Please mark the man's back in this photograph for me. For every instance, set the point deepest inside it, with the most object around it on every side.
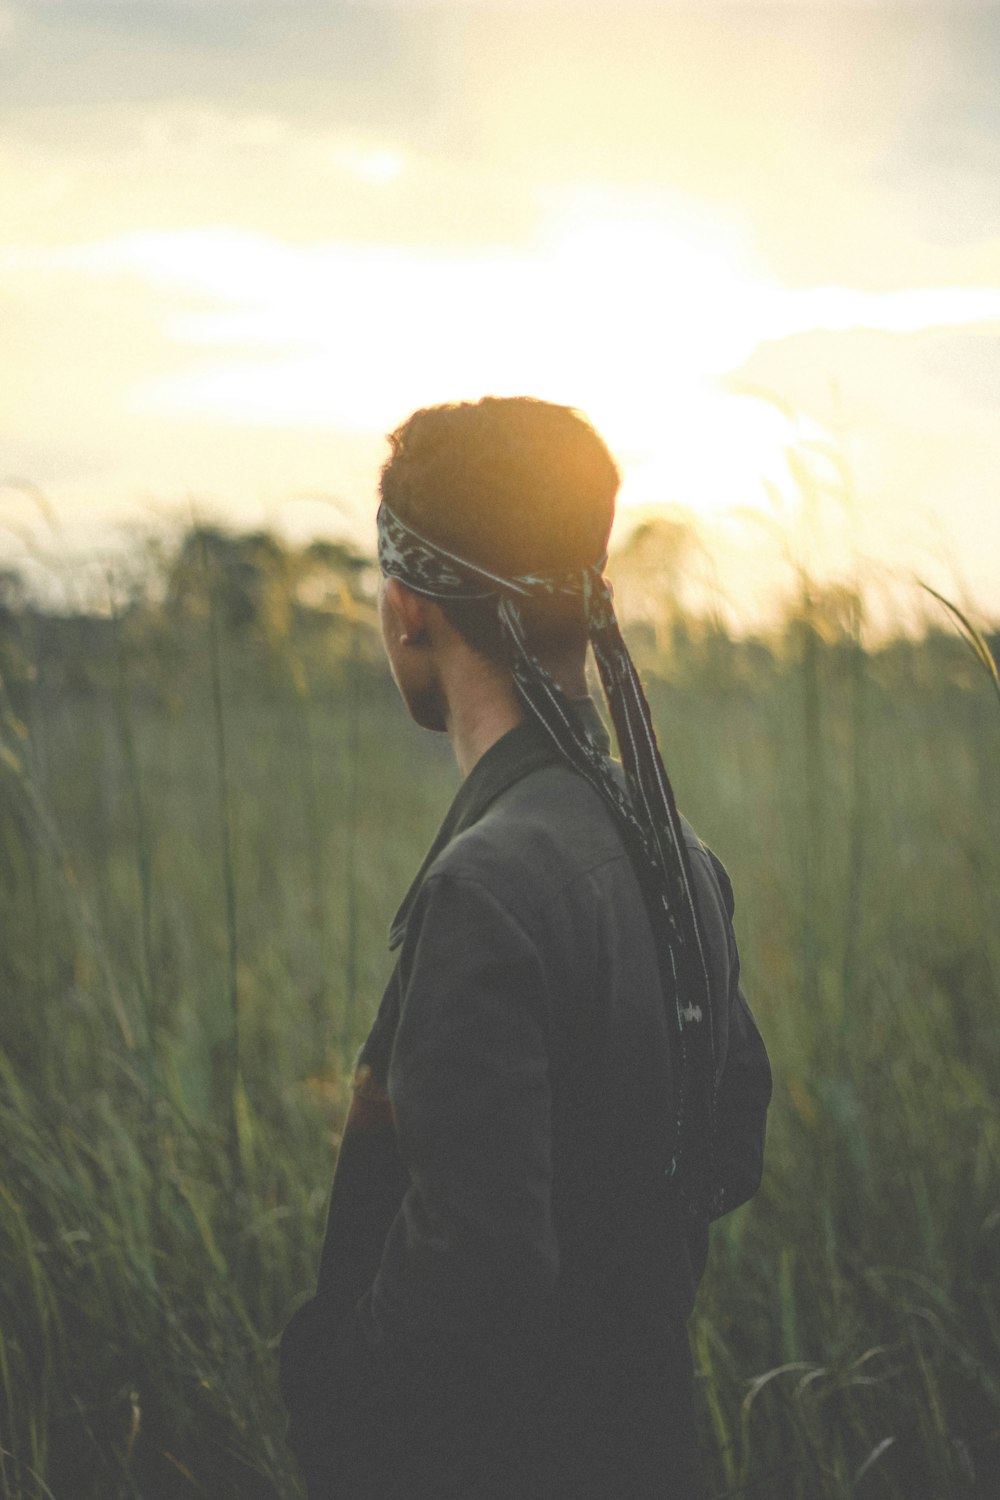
(518, 1321)
(605, 1359)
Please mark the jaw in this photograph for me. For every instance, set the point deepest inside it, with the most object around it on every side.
(424, 699)
(429, 710)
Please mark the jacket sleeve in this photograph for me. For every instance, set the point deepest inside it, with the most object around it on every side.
(437, 1346)
(744, 1081)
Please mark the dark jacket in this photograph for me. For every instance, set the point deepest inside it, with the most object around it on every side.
(506, 1279)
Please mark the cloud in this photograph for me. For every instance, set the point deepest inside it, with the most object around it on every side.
(182, 165)
(335, 62)
(850, 145)
(806, 127)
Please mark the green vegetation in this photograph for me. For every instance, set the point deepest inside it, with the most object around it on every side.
(210, 804)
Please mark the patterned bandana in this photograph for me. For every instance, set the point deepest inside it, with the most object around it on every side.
(647, 815)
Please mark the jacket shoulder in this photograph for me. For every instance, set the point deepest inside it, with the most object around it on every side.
(539, 836)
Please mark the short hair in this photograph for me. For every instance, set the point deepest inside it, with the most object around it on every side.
(515, 484)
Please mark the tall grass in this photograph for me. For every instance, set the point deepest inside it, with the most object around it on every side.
(205, 827)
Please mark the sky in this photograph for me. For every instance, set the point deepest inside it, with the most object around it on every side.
(242, 241)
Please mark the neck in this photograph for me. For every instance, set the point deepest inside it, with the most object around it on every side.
(470, 742)
(482, 705)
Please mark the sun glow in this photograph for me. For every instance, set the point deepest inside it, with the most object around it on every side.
(632, 320)
(638, 320)
(378, 168)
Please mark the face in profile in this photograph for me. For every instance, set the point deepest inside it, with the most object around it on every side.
(411, 659)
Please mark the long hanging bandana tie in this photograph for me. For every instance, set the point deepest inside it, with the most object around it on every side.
(646, 812)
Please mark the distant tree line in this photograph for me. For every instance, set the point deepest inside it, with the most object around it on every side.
(271, 604)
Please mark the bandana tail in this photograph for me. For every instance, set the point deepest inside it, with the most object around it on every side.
(651, 827)
(678, 929)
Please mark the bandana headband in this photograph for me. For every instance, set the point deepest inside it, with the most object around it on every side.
(647, 815)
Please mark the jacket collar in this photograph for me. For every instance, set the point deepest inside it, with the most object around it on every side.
(516, 754)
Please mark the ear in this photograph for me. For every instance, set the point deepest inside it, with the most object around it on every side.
(409, 611)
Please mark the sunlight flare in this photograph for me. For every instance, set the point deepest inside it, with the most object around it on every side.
(638, 320)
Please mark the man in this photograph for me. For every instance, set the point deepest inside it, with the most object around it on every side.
(563, 1083)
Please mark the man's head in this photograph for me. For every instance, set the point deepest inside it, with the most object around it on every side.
(515, 485)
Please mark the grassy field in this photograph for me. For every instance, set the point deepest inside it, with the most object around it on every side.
(210, 806)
